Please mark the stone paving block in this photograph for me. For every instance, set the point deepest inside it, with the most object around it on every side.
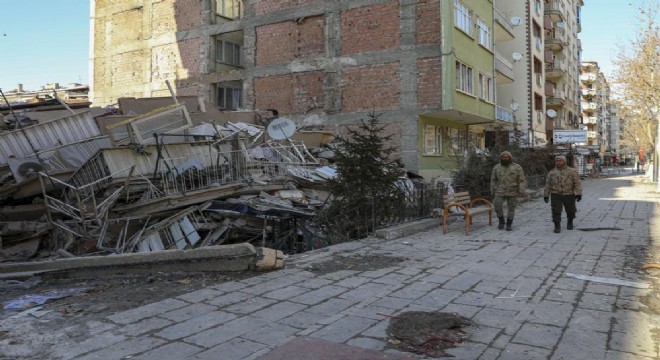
(331, 307)
(369, 312)
(250, 305)
(380, 272)
(551, 313)
(493, 286)
(144, 326)
(494, 317)
(474, 299)
(279, 310)
(235, 349)
(414, 290)
(339, 275)
(394, 278)
(271, 335)
(501, 341)
(593, 320)
(124, 349)
(254, 280)
(352, 282)
(146, 311)
(629, 321)
(188, 312)
(97, 342)
(392, 303)
(195, 325)
(538, 272)
(343, 329)
(562, 295)
(467, 311)
(171, 351)
(435, 278)
(318, 295)
(597, 302)
(464, 281)
(519, 352)
(315, 283)
(308, 348)
(436, 299)
(367, 291)
(572, 345)
(229, 286)
(286, 292)
(229, 330)
(638, 342)
(467, 350)
(229, 299)
(602, 289)
(490, 354)
(410, 271)
(200, 295)
(617, 355)
(570, 284)
(272, 285)
(367, 343)
(302, 319)
(482, 334)
(536, 335)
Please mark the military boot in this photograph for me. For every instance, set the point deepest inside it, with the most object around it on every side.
(508, 224)
(557, 227)
(569, 224)
(501, 223)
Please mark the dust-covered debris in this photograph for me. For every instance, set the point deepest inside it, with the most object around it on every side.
(427, 333)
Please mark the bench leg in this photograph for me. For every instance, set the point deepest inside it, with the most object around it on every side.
(468, 220)
(490, 218)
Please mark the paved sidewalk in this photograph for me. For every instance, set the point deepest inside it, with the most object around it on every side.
(524, 289)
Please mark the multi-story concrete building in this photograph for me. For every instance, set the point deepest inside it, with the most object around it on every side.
(561, 26)
(599, 114)
(426, 65)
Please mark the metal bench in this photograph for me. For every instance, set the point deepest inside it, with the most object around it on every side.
(462, 201)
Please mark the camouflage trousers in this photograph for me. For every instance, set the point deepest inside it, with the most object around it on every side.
(511, 203)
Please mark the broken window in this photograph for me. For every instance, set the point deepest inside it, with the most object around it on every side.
(228, 53)
(229, 96)
(231, 9)
(432, 140)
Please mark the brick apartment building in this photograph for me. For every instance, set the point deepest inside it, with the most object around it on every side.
(426, 65)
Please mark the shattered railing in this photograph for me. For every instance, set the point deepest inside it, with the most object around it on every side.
(196, 172)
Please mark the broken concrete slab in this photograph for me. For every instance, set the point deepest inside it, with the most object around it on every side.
(234, 257)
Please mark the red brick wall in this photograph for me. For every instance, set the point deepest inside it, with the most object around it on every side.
(188, 14)
(427, 24)
(370, 28)
(368, 87)
(289, 40)
(389, 129)
(268, 6)
(429, 83)
(297, 93)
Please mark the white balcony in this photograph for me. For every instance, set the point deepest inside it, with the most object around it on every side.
(589, 77)
(592, 134)
(504, 114)
(589, 106)
(590, 120)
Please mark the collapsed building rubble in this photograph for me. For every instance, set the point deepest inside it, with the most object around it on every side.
(152, 178)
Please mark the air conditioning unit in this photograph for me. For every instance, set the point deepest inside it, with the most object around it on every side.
(24, 168)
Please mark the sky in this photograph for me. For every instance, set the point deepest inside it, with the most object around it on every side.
(42, 42)
(46, 41)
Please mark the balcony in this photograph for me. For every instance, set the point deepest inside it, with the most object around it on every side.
(504, 69)
(539, 116)
(589, 106)
(504, 114)
(592, 134)
(556, 101)
(590, 120)
(588, 78)
(555, 70)
(555, 10)
(588, 92)
(538, 43)
(503, 27)
(554, 40)
(538, 78)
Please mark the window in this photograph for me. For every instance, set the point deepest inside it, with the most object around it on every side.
(537, 7)
(228, 53)
(486, 87)
(464, 81)
(484, 34)
(432, 140)
(462, 17)
(229, 8)
(229, 97)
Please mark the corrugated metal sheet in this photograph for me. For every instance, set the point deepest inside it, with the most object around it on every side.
(46, 136)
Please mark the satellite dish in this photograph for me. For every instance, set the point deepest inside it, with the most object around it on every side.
(29, 168)
(515, 106)
(560, 25)
(516, 56)
(551, 113)
(281, 128)
(515, 21)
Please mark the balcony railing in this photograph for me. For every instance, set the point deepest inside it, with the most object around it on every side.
(556, 11)
(504, 114)
(592, 134)
(588, 92)
(503, 66)
(590, 120)
(588, 77)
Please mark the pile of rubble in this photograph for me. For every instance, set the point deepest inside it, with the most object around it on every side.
(157, 174)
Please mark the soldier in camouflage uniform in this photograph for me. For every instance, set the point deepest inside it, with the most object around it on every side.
(562, 188)
(507, 182)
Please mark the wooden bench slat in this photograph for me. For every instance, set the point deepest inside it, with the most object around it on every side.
(462, 200)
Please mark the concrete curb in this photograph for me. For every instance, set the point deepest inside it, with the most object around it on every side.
(402, 230)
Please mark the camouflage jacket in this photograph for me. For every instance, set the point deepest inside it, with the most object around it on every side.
(507, 180)
(565, 182)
